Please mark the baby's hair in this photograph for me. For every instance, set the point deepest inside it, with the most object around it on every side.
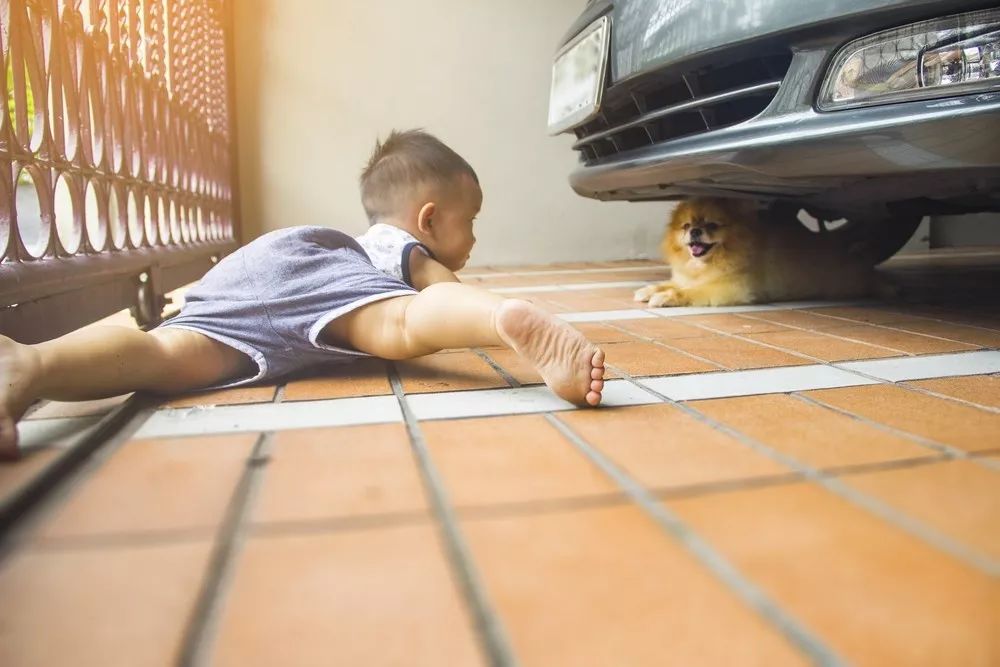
(402, 162)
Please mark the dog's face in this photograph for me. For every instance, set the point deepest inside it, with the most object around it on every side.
(709, 234)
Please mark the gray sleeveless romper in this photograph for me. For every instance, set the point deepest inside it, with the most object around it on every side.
(271, 298)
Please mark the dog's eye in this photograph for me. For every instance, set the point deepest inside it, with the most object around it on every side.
(686, 226)
(711, 226)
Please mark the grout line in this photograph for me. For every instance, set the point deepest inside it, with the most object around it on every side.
(555, 272)
(203, 623)
(921, 390)
(508, 378)
(778, 348)
(805, 640)
(895, 308)
(567, 287)
(856, 341)
(336, 524)
(197, 420)
(492, 636)
(118, 540)
(667, 346)
(23, 510)
(874, 506)
(849, 322)
(950, 451)
(833, 364)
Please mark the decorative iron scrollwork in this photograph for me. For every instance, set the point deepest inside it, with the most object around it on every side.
(114, 130)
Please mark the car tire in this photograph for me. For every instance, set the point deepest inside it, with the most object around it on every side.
(880, 237)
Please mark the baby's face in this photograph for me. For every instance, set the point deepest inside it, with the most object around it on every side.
(453, 235)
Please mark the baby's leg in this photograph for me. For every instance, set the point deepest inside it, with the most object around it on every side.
(107, 361)
(447, 315)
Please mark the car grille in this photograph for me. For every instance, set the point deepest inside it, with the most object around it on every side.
(656, 110)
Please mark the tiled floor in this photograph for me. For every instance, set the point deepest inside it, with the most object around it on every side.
(770, 485)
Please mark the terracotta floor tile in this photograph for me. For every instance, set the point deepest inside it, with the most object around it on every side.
(100, 607)
(980, 389)
(366, 377)
(57, 409)
(656, 263)
(515, 365)
(447, 372)
(642, 359)
(660, 446)
(547, 305)
(661, 328)
(652, 275)
(736, 354)
(369, 597)
(875, 594)
(235, 396)
(608, 587)
(586, 302)
(949, 330)
(988, 320)
(827, 348)
(498, 282)
(150, 486)
(959, 498)
(599, 333)
(558, 266)
(810, 434)
(621, 293)
(866, 315)
(796, 318)
(510, 460)
(938, 419)
(733, 323)
(898, 340)
(15, 474)
(339, 472)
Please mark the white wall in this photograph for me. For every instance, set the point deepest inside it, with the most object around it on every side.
(317, 81)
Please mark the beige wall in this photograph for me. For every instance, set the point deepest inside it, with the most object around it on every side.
(317, 81)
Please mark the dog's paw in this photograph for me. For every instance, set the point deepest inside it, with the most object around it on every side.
(643, 293)
(668, 297)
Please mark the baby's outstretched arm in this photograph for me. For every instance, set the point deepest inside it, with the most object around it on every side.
(425, 271)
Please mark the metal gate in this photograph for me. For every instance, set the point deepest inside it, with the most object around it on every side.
(116, 157)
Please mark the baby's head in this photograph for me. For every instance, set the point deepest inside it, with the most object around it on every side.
(415, 182)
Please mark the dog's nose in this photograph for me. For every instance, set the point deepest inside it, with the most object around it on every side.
(695, 232)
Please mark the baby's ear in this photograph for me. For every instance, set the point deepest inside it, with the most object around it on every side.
(425, 217)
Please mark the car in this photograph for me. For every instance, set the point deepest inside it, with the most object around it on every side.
(858, 116)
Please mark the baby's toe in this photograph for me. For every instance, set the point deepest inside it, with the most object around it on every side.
(593, 398)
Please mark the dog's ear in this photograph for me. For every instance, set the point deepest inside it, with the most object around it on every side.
(681, 211)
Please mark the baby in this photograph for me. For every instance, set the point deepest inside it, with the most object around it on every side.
(297, 297)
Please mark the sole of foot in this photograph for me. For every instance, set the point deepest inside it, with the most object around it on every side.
(571, 365)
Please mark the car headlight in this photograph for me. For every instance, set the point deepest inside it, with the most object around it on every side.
(948, 56)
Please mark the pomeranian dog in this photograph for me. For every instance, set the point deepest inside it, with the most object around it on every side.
(721, 254)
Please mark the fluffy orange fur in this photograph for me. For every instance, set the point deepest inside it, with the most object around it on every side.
(722, 254)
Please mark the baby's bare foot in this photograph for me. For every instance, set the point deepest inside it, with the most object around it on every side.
(18, 368)
(571, 365)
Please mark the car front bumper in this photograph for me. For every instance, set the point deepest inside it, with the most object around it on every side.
(950, 146)
(945, 148)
